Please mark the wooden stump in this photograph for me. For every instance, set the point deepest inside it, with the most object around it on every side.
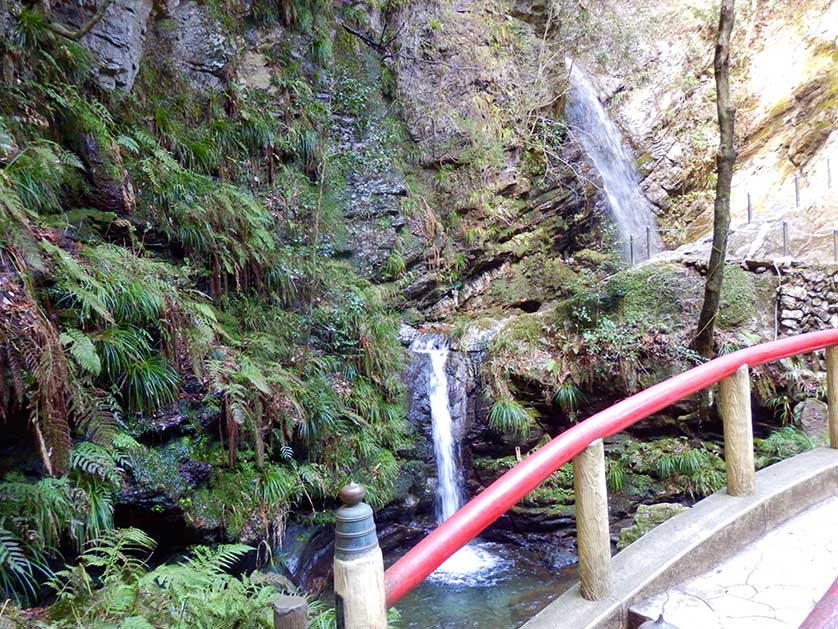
(290, 612)
(359, 591)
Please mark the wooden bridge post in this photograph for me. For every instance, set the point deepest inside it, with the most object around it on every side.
(290, 612)
(593, 539)
(735, 406)
(832, 393)
(359, 565)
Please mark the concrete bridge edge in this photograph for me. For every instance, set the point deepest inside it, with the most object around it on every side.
(696, 540)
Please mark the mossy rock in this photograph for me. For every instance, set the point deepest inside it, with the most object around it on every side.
(653, 293)
(596, 260)
(646, 518)
(738, 297)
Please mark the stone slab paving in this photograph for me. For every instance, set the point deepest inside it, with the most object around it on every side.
(773, 583)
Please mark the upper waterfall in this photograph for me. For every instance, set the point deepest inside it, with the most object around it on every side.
(605, 146)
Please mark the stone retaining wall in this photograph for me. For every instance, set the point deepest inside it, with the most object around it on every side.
(807, 299)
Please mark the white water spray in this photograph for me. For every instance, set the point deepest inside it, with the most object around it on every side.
(471, 564)
(604, 145)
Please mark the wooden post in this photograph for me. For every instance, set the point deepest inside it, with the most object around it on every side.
(735, 406)
(290, 612)
(359, 565)
(832, 393)
(631, 250)
(593, 541)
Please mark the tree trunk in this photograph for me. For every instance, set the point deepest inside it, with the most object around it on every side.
(724, 169)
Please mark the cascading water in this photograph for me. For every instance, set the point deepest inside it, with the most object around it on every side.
(604, 144)
(449, 489)
(472, 561)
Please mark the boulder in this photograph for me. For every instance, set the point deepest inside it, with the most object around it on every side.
(811, 415)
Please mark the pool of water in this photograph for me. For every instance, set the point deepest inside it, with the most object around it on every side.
(484, 585)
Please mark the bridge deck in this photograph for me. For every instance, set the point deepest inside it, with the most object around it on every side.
(697, 540)
(773, 583)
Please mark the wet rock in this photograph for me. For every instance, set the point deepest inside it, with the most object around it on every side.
(194, 472)
(407, 334)
(305, 554)
(478, 337)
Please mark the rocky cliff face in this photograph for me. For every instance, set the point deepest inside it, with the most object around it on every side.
(784, 87)
(186, 33)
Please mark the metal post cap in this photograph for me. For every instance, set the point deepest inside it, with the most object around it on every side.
(660, 623)
(354, 524)
(352, 494)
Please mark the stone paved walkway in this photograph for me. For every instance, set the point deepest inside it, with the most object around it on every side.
(773, 583)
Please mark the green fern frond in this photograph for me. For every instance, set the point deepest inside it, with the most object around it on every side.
(17, 568)
(82, 350)
(148, 384)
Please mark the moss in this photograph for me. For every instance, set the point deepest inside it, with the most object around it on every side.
(512, 288)
(558, 278)
(525, 243)
(158, 469)
(646, 518)
(652, 294)
(738, 297)
(596, 260)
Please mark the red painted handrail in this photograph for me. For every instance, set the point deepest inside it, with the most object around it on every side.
(468, 522)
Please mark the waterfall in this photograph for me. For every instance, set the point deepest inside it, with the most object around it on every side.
(606, 148)
(449, 487)
(471, 565)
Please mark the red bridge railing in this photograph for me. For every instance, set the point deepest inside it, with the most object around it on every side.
(506, 491)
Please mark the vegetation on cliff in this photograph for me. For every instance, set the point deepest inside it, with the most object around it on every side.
(170, 253)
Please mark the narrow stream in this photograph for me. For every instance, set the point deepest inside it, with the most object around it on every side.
(604, 144)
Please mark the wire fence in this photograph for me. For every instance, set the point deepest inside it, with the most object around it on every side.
(772, 231)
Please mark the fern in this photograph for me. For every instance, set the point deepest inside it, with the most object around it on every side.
(118, 347)
(17, 568)
(41, 511)
(568, 397)
(82, 350)
(40, 172)
(148, 384)
(508, 416)
(95, 461)
(615, 475)
(196, 592)
(782, 444)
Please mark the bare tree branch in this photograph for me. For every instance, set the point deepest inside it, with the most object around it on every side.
(84, 29)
